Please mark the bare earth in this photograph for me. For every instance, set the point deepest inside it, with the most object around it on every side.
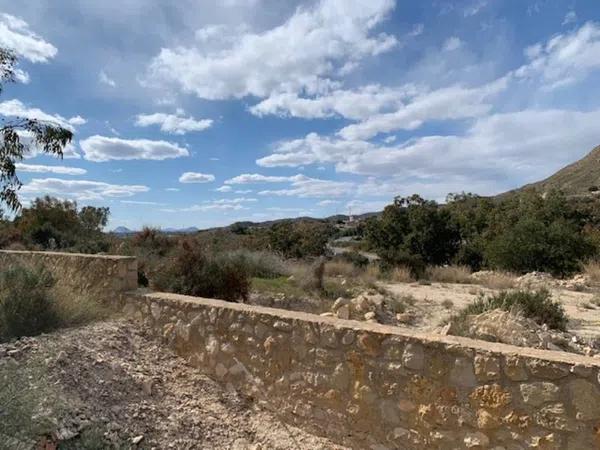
(584, 317)
(113, 376)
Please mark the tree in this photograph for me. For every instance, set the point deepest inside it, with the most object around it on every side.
(20, 135)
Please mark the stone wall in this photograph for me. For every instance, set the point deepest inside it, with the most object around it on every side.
(100, 277)
(373, 386)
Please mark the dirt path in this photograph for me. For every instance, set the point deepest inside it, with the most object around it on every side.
(113, 378)
(437, 301)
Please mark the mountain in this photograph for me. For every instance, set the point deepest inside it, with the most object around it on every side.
(581, 178)
(122, 230)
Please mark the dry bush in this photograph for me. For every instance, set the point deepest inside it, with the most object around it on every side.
(344, 269)
(401, 274)
(449, 274)
(592, 270)
(497, 280)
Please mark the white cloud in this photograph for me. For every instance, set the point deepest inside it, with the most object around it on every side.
(252, 178)
(452, 43)
(570, 17)
(306, 187)
(475, 8)
(80, 189)
(301, 54)
(355, 104)
(224, 189)
(21, 76)
(449, 103)
(172, 189)
(328, 202)
(564, 59)
(106, 80)
(36, 168)
(16, 108)
(390, 139)
(77, 120)
(16, 35)
(135, 202)
(173, 124)
(234, 204)
(195, 177)
(101, 148)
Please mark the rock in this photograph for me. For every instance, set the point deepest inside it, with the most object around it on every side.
(413, 357)
(538, 393)
(136, 440)
(476, 439)
(406, 318)
(343, 312)
(370, 316)
(585, 398)
(147, 386)
(327, 314)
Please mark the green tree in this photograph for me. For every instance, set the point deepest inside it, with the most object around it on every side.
(19, 135)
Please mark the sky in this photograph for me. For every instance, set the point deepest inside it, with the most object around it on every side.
(198, 113)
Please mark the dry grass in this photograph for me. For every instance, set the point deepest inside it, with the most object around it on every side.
(497, 280)
(401, 275)
(449, 274)
(592, 270)
(339, 268)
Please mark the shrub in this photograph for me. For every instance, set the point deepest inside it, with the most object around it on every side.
(358, 260)
(592, 270)
(401, 274)
(449, 274)
(260, 264)
(193, 271)
(27, 307)
(536, 305)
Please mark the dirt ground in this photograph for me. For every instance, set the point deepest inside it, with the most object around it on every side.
(112, 379)
(437, 301)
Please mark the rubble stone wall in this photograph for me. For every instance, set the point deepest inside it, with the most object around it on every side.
(374, 386)
(100, 277)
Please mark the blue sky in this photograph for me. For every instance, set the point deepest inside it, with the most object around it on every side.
(198, 113)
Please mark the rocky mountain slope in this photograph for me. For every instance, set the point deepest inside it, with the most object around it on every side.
(577, 179)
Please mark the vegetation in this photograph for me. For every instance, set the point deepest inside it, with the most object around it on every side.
(21, 136)
(193, 271)
(536, 305)
(520, 233)
(27, 307)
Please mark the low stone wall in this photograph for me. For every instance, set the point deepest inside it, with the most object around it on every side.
(100, 277)
(373, 386)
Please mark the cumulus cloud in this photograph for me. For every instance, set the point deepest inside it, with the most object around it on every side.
(27, 138)
(288, 58)
(196, 177)
(570, 17)
(80, 189)
(451, 103)
(16, 35)
(354, 104)
(37, 168)
(306, 187)
(253, 178)
(101, 148)
(106, 80)
(173, 124)
(16, 108)
(452, 43)
(564, 59)
(234, 204)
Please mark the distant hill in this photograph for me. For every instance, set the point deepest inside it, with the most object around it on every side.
(582, 178)
(122, 230)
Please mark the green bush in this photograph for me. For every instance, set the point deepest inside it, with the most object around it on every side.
(358, 260)
(27, 307)
(259, 264)
(193, 271)
(536, 305)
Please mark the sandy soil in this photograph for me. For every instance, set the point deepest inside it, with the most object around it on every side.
(114, 377)
(436, 302)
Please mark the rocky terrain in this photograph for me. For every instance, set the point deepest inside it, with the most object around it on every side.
(109, 385)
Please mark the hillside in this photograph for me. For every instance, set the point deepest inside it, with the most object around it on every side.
(577, 179)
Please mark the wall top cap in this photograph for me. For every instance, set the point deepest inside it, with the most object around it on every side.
(72, 255)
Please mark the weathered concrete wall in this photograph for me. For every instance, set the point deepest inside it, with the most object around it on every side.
(368, 385)
(100, 277)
